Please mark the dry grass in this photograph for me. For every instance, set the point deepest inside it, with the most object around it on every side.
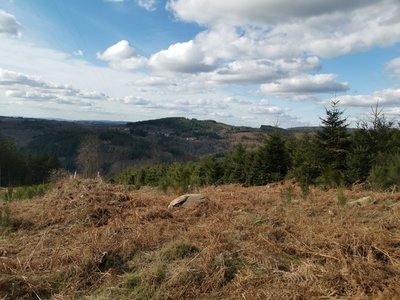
(90, 240)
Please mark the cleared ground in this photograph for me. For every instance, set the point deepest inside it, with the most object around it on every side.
(91, 240)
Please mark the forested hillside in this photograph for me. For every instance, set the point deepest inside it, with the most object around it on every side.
(119, 145)
(333, 156)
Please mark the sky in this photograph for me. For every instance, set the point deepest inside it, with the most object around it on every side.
(240, 62)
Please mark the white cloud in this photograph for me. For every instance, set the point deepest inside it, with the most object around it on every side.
(393, 68)
(122, 56)
(182, 57)
(261, 70)
(236, 100)
(393, 112)
(260, 110)
(137, 101)
(386, 97)
(258, 11)
(9, 24)
(282, 28)
(149, 5)
(220, 115)
(30, 88)
(305, 84)
(78, 52)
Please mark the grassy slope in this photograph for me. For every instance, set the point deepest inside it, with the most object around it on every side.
(89, 240)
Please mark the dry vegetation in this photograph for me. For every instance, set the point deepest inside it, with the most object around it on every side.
(90, 240)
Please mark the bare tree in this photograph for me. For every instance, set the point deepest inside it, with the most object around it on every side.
(89, 160)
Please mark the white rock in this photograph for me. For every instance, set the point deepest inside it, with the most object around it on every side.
(187, 200)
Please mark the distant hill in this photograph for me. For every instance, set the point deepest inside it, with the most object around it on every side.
(130, 144)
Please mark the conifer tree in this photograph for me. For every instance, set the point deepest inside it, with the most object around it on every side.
(333, 144)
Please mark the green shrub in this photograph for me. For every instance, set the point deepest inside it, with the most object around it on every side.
(385, 173)
(341, 197)
(24, 192)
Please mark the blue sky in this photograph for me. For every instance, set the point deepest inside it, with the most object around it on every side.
(240, 62)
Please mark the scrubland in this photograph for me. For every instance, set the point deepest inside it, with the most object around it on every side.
(86, 239)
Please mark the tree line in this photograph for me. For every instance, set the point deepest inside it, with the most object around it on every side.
(332, 156)
(23, 169)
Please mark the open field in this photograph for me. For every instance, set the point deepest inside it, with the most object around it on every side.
(90, 240)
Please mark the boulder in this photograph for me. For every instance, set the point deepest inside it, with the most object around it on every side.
(187, 200)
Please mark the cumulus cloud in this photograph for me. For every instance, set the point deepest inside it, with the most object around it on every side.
(122, 56)
(9, 24)
(305, 84)
(280, 28)
(386, 97)
(182, 57)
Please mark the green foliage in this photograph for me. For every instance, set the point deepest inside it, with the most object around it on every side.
(333, 145)
(181, 126)
(24, 192)
(373, 140)
(330, 157)
(270, 162)
(303, 157)
(61, 144)
(17, 169)
(267, 164)
(341, 197)
(179, 250)
(385, 173)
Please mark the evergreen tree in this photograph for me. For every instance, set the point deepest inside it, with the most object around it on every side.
(333, 144)
(11, 163)
(234, 165)
(373, 139)
(270, 162)
(303, 156)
